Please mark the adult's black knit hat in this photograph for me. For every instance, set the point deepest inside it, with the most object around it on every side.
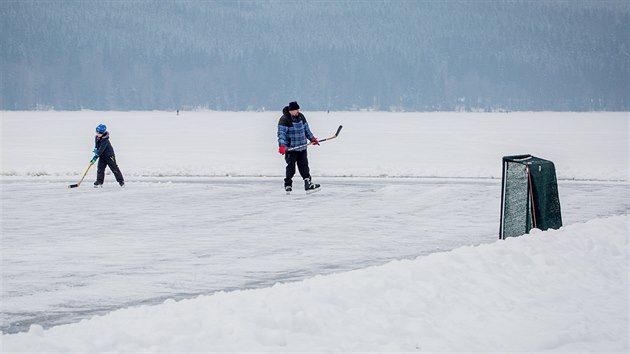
(293, 106)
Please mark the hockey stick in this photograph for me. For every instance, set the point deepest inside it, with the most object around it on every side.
(86, 171)
(321, 141)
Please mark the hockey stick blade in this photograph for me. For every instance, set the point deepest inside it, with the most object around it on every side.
(334, 136)
(82, 178)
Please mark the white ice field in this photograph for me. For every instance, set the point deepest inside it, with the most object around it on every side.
(204, 211)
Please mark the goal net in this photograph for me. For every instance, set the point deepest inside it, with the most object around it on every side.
(529, 196)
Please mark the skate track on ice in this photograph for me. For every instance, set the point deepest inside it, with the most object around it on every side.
(71, 254)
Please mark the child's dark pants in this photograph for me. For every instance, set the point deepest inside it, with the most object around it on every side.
(111, 162)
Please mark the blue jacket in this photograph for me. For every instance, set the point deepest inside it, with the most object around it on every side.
(293, 131)
(102, 146)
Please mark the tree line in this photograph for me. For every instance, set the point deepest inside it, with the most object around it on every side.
(330, 55)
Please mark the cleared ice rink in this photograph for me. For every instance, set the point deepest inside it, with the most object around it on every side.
(68, 255)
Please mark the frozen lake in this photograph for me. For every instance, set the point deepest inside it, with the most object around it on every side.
(204, 210)
(71, 254)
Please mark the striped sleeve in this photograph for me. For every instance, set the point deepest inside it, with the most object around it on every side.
(282, 135)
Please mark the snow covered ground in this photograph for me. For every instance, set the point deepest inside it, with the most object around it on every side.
(405, 197)
(582, 145)
(559, 291)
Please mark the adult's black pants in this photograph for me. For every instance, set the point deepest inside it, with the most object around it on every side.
(300, 159)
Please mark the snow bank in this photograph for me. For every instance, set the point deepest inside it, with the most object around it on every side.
(554, 291)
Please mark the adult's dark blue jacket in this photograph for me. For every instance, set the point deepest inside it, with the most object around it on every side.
(293, 131)
(102, 146)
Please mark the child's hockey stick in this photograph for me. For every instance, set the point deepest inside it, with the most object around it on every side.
(321, 140)
(86, 171)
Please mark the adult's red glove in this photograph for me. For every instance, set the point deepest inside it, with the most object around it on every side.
(282, 149)
(314, 141)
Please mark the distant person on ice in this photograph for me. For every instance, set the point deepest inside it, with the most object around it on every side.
(104, 152)
(293, 137)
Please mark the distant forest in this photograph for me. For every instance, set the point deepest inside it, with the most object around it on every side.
(393, 55)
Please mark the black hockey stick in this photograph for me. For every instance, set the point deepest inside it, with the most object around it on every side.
(86, 171)
(321, 141)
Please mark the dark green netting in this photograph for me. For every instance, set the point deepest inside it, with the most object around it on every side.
(529, 196)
